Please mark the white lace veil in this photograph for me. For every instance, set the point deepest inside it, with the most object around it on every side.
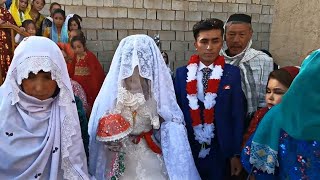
(32, 55)
(141, 51)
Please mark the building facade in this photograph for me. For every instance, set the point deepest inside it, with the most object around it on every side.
(106, 22)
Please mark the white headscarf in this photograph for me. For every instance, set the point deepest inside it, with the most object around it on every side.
(39, 139)
(141, 51)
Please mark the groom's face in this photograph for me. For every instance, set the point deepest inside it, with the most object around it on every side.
(208, 45)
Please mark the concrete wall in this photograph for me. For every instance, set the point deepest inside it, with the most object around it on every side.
(106, 22)
(295, 30)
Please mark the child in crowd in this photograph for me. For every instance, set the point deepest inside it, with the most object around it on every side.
(74, 22)
(47, 22)
(68, 51)
(37, 17)
(58, 32)
(88, 71)
(20, 10)
(29, 26)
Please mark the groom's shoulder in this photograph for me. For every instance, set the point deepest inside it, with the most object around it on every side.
(231, 69)
(181, 70)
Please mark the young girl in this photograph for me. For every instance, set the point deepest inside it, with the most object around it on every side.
(73, 22)
(67, 49)
(30, 27)
(20, 10)
(47, 22)
(37, 17)
(39, 133)
(58, 32)
(88, 71)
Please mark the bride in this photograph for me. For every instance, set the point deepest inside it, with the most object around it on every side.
(138, 90)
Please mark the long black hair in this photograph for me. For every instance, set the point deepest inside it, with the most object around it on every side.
(75, 18)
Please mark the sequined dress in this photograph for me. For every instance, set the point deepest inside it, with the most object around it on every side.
(298, 159)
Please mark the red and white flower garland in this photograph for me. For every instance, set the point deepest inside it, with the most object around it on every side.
(203, 132)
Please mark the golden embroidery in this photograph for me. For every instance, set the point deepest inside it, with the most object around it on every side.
(81, 71)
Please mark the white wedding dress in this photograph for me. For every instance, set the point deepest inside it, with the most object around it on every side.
(141, 163)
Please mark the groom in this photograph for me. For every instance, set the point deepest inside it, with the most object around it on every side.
(209, 93)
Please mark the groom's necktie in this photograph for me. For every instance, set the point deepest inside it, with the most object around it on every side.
(206, 75)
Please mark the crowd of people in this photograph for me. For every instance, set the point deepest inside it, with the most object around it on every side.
(230, 113)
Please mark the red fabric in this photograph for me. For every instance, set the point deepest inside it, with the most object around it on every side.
(66, 47)
(5, 43)
(254, 124)
(293, 71)
(147, 136)
(190, 87)
(92, 82)
(112, 125)
(195, 116)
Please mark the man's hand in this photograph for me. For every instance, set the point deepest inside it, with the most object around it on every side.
(1, 21)
(236, 166)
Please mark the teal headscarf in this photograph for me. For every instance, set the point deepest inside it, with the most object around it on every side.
(64, 33)
(298, 114)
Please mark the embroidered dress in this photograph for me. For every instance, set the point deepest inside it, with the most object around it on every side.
(90, 75)
(298, 159)
(5, 44)
(79, 92)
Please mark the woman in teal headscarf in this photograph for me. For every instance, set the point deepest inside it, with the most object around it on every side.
(287, 141)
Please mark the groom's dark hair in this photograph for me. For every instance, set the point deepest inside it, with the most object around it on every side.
(207, 24)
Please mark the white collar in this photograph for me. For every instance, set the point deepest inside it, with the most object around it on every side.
(201, 66)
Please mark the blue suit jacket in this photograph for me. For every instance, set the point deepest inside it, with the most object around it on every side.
(229, 111)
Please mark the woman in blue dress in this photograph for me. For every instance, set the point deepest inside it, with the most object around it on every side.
(286, 142)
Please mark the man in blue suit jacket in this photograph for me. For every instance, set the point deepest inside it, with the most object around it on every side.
(229, 109)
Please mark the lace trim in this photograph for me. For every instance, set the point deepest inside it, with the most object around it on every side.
(67, 131)
(35, 64)
(263, 157)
